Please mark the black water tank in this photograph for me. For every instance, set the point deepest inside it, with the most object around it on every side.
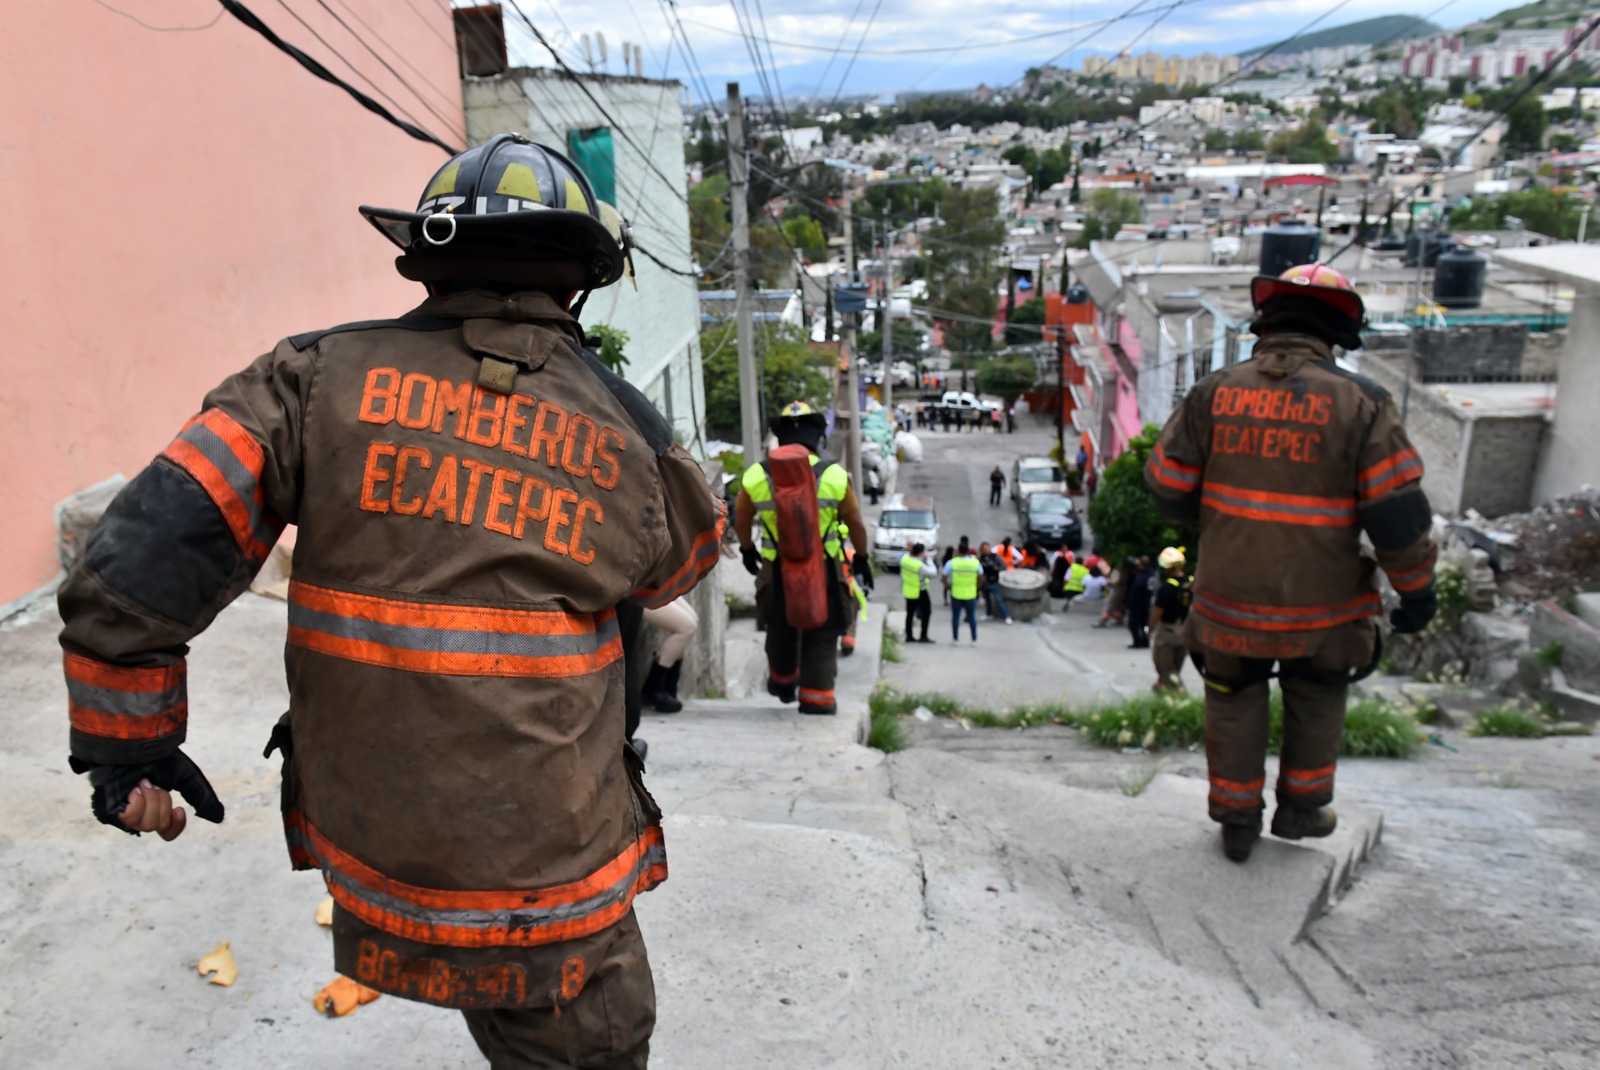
(1077, 294)
(1288, 245)
(1458, 278)
(1430, 243)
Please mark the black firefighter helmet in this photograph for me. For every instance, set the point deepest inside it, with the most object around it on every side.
(800, 423)
(510, 211)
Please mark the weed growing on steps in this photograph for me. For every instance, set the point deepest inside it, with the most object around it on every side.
(1373, 728)
(886, 732)
(1549, 655)
(1515, 721)
(891, 645)
(1134, 786)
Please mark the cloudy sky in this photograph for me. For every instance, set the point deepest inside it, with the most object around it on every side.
(932, 44)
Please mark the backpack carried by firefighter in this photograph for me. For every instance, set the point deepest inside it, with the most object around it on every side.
(803, 564)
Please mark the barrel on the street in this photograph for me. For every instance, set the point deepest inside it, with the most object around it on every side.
(1024, 591)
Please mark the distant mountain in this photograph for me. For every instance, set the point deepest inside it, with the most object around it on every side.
(1385, 28)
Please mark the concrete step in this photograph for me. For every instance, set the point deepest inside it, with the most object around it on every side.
(1151, 862)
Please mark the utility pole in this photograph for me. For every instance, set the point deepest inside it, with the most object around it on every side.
(739, 194)
(852, 374)
(888, 316)
(1416, 311)
(1583, 222)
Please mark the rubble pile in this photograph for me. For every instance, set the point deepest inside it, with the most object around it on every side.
(1550, 552)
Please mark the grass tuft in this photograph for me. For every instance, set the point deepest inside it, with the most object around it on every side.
(1549, 655)
(1516, 722)
(1375, 729)
(891, 645)
(886, 733)
(1134, 786)
(1150, 721)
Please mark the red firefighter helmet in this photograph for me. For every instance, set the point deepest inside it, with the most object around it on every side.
(1317, 281)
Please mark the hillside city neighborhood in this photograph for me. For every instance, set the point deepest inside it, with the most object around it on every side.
(1031, 562)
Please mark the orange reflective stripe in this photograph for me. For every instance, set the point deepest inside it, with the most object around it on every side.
(520, 917)
(1171, 473)
(227, 463)
(784, 679)
(703, 556)
(1379, 479)
(1284, 618)
(451, 640)
(1414, 579)
(1237, 794)
(1305, 509)
(128, 704)
(1305, 781)
(816, 697)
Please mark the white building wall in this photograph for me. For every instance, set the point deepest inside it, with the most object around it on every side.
(662, 317)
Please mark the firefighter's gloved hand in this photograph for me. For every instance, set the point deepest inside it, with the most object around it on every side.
(752, 559)
(151, 810)
(1414, 613)
(863, 570)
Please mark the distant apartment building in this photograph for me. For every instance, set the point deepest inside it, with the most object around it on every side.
(1509, 55)
(1204, 69)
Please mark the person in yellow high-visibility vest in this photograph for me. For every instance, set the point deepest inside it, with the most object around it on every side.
(915, 572)
(801, 664)
(963, 573)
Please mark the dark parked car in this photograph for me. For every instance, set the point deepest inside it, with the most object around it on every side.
(1051, 520)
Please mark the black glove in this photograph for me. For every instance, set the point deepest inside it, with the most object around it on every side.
(863, 570)
(752, 559)
(1414, 613)
(175, 772)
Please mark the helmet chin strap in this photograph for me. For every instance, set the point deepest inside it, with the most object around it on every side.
(577, 306)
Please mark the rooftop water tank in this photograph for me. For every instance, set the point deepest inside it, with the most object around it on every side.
(1458, 278)
(1429, 243)
(1288, 245)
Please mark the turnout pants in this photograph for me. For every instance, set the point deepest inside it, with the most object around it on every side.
(918, 608)
(604, 1024)
(1238, 722)
(807, 660)
(1168, 653)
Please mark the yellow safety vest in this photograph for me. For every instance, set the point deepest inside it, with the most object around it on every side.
(911, 577)
(1076, 574)
(831, 491)
(964, 575)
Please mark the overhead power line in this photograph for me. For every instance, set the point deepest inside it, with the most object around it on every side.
(250, 19)
(426, 103)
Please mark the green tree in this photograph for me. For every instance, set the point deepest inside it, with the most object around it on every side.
(1109, 210)
(1076, 193)
(1007, 375)
(790, 371)
(1052, 169)
(1541, 210)
(1308, 144)
(612, 342)
(710, 221)
(805, 234)
(1525, 126)
(1024, 323)
(1249, 141)
(1216, 140)
(1123, 513)
(963, 271)
(904, 344)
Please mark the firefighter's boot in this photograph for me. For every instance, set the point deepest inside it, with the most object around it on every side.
(782, 692)
(652, 683)
(665, 698)
(1239, 840)
(1296, 822)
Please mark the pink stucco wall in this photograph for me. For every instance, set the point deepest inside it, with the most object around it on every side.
(1127, 407)
(177, 202)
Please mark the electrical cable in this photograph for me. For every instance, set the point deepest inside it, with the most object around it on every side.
(389, 67)
(426, 21)
(1533, 83)
(358, 72)
(443, 94)
(159, 29)
(250, 19)
(877, 5)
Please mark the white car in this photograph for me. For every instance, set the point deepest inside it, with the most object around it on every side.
(905, 519)
(1031, 475)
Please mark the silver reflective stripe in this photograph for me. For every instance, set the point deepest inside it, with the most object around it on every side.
(452, 641)
(124, 703)
(828, 503)
(519, 920)
(766, 507)
(1342, 512)
(241, 479)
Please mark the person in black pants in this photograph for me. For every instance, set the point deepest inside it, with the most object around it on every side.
(1138, 604)
(997, 484)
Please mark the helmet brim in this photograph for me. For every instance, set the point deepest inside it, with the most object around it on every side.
(1264, 288)
(553, 233)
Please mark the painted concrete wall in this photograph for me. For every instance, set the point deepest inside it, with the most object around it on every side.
(180, 201)
(1572, 448)
(662, 317)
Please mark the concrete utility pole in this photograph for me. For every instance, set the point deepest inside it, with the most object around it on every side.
(739, 192)
(1411, 350)
(852, 374)
(888, 316)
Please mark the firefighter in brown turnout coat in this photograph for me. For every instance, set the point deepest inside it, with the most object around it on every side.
(474, 494)
(1286, 459)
